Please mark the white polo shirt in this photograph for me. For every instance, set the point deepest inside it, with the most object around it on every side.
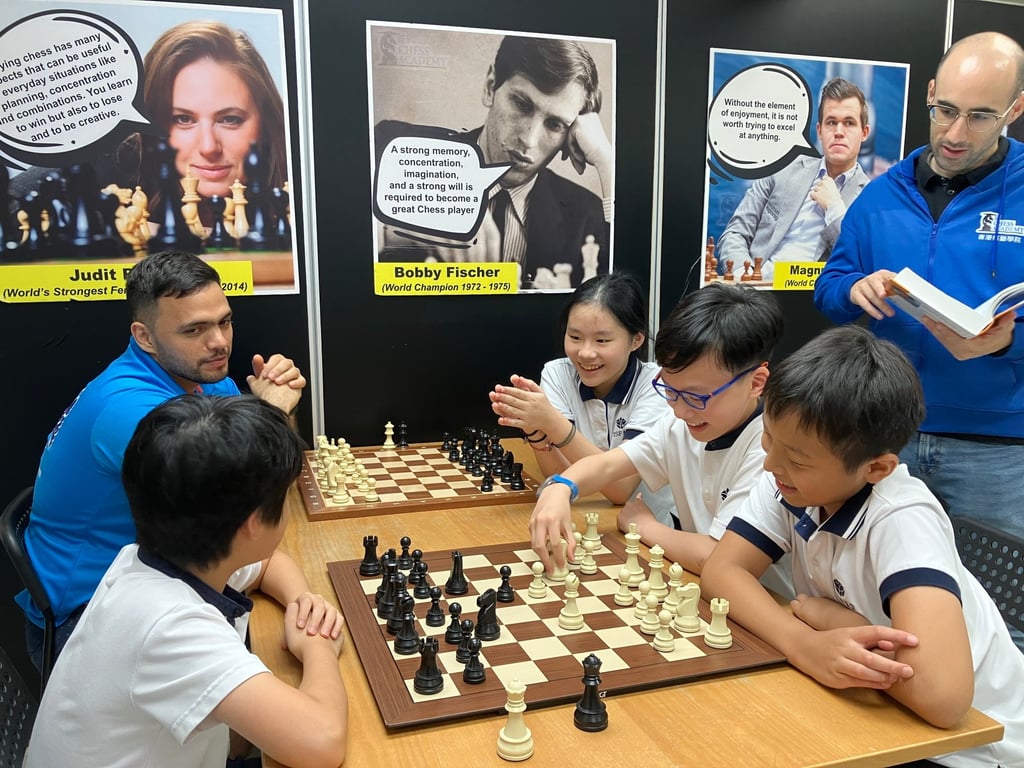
(709, 481)
(888, 537)
(150, 659)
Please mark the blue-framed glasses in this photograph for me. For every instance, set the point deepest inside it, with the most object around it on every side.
(692, 399)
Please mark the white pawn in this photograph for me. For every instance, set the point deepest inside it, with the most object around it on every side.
(362, 473)
(657, 575)
(371, 490)
(538, 590)
(649, 623)
(664, 640)
(589, 564)
(577, 553)
(341, 495)
(623, 596)
(641, 599)
(675, 580)
(515, 742)
(718, 634)
(570, 616)
(687, 619)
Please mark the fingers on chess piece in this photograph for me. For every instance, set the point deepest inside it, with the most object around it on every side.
(515, 741)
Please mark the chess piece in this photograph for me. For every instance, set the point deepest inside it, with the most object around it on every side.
(746, 277)
(172, 231)
(280, 208)
(559, 572)
(590, 250)
(570, 616)
(474, 672)
(538, 590)
(219, 238)
(487, 626)
(453, 635)
(420, 568)
(341, 495)
(640, 609)
(675, 580)
(389, 432)
(387, 600)
(487, 484)
(462, 652)
(435, 616)
(405, 559)
(370, 565)
(402, 435)
(505, 592)
(407, 639)
(636, 571)
(515, 742)
(394, 619)
(371, 490)
(235, 220)
(591, 534)
(718, 634)
(257, 195)
(456, 584)
(650, 622)
(428, 679)
(687, 620)
(623, 596)
(591, 714)
(664, 640)
(517, 483)
(730, 265)
(757, 276)
(190, 204)
(589, 565)
(710, 262)
(656, 578)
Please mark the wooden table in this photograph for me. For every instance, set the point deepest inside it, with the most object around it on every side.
(772, 717)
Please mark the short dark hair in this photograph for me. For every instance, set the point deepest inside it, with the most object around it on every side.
(859, 394)
(738, 326)
(550, 64)
(198, 466)
(167, 273)
(619, 294)
(838, 89)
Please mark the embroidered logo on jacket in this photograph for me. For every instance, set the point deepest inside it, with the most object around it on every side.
(992, 227)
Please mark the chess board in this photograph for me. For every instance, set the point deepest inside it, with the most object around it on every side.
(532, 647)
(416, 478)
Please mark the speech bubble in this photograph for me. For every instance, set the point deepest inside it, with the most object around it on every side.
(68, 79)
(760, 120)
(433, 186)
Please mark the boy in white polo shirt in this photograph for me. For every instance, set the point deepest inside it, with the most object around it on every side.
(156, 671)
(883, 599)
(713, 351)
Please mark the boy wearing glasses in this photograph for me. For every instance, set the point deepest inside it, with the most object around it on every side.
(953, 211)
(713, 350)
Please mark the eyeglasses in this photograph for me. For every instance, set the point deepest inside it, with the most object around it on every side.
(692, 399)
(979, 122)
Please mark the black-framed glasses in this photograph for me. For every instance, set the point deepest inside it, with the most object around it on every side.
(979, 122)
(692, 399)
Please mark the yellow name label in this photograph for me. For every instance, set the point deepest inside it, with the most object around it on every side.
(423, 279)
(31, 283)
(796, 275)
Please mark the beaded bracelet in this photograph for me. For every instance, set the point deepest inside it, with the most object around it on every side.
(568, 438)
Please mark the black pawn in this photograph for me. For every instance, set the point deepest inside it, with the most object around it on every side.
(453, 635)
(435, 616)
(456, 584)
(474, 672)
(404, 560)
(505, 592)
(407, 639)
(428, 679)
(370, 565)
(402, 435)
(219, 238)
(422, 589)
(453, 455)
(591, 713)
(487, 484)
(462, 652)
(487, 626)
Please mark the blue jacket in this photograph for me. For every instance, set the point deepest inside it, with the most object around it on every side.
(889, 227)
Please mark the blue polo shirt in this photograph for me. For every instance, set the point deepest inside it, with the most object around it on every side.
(80, 515)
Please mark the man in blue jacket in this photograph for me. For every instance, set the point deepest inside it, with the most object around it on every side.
(953, 212)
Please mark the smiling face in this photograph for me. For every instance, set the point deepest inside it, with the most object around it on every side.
(213, 122)
(841, 134)
(723, 412)
(190, 337)
(599, 346)
(525, 126)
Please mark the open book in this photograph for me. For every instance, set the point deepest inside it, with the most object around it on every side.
(919, 298)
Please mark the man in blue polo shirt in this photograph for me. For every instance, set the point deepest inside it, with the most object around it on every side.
(181, 336)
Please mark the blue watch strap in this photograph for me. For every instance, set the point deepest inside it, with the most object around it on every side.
(574, 491)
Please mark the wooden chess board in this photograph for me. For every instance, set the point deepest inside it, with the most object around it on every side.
(411, 479)
(532, 647)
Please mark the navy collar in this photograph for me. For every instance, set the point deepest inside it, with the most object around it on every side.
(622, 386)
(232, 603)
(727, 440)
(844, 523)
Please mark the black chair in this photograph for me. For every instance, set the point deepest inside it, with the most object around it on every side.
(18, 706)
(996, 558)
(13, 523)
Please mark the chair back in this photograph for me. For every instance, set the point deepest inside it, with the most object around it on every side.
(13, 523)
(996, 558)
(18, 706)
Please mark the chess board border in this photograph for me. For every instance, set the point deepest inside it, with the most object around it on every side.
(318, 509)
(399, 710)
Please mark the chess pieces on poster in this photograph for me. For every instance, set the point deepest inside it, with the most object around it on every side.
(718, 634)
(591, 714)
(730, 265)
(710, 262)
(590, 251)
(515, 741)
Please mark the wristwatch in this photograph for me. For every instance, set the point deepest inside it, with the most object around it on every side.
(574, 491)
